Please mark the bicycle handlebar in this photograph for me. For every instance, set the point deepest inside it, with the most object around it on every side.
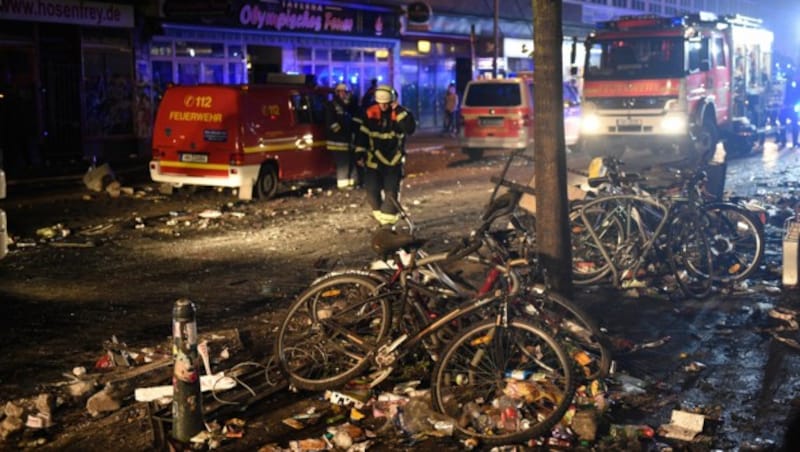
(513, 186)
(468, 247)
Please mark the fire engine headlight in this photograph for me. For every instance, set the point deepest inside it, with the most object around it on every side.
(674, 124)
(590, 123)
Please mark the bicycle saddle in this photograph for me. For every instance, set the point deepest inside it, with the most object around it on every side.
(386, 241)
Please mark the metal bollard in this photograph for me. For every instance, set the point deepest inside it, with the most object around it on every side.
(791, 258)
(187, 402)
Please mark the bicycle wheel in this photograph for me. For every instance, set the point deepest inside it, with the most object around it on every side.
(503, 383)
(331, 331)
(589, 266)
(737, 241)
(575, 330)
(690, 254)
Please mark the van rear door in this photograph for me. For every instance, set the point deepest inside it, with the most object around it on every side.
(496, 109)
(196, 130)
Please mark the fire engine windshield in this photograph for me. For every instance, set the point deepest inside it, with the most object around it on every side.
(634, 58)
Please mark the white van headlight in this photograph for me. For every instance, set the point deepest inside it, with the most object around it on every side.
(590, 123)
(674, 124)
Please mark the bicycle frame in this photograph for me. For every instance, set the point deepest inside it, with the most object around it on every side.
(627, 212)
(388, 354)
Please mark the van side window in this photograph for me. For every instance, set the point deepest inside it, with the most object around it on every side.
(571, 96)
(302, 109)
(318, 102)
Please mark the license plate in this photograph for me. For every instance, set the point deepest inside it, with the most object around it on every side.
(490, 122)
(194, 158)
(629, 122)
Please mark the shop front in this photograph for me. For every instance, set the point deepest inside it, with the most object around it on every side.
(66, 82)
(350, 44)
(428, 64)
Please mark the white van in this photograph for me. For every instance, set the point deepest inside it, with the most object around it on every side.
(498, 114)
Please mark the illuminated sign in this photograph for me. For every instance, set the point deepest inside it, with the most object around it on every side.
(68, 12)
(517, 48)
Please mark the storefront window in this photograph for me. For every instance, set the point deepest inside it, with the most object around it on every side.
(158, 49)
(235, 51)
(345, 55)
(213, 73)
(307, 69)
(304, 53)
(338, 75)
(199, 49)
(189, 73)
(108, 76)
(237, 73)
(162, 76)
(321, 54)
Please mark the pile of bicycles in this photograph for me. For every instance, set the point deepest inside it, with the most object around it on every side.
(507, 352)
(626, 231)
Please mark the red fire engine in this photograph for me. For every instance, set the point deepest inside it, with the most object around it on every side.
(667, 89)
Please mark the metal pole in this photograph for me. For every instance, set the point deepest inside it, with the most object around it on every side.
(473, 56)
(496, 37)
(187, 403)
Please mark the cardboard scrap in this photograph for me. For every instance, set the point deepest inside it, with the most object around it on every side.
(683, 426)
(216, 382)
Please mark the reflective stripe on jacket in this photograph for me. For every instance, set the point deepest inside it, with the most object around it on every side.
(339, 125)
(383, 134)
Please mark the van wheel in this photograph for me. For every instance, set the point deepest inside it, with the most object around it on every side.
(474, 153)
(267, 183)
(706, 139)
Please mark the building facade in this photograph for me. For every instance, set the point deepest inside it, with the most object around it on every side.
(81, 81)
(66, 80)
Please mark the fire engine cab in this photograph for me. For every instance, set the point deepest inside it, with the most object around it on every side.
(660, 90)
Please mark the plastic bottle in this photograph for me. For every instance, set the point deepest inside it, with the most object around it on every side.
(509, 415)
(631, 431)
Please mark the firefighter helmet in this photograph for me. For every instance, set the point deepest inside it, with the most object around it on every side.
(385, 94)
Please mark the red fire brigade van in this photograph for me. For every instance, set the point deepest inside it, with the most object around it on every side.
(242, 136)
(498, 114)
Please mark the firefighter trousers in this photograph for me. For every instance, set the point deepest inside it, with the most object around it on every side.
(382, 185)
(345, 169)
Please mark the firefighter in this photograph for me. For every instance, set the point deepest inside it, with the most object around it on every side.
(380, 144)
(339, 135)
(789, 113)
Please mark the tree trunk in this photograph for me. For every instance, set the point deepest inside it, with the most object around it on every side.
(550, 167)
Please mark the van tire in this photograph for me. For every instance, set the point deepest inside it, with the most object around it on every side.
(474, 153)
(267, 184)
(706, 139)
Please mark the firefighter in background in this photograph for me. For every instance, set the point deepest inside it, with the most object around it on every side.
(340, 128)
(380, 145)
(789, 112)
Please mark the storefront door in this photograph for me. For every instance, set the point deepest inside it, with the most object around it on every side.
(18, 118)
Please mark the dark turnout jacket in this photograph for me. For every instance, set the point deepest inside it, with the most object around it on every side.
(382, 135)
(339, 125)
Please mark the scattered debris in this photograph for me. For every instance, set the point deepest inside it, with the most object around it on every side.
(683, 426)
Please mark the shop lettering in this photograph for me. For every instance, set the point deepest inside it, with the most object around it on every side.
(333, 23)
(252, 15)
(67, 11)
(195, 116)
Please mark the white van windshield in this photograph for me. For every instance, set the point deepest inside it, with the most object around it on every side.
(493, 95)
